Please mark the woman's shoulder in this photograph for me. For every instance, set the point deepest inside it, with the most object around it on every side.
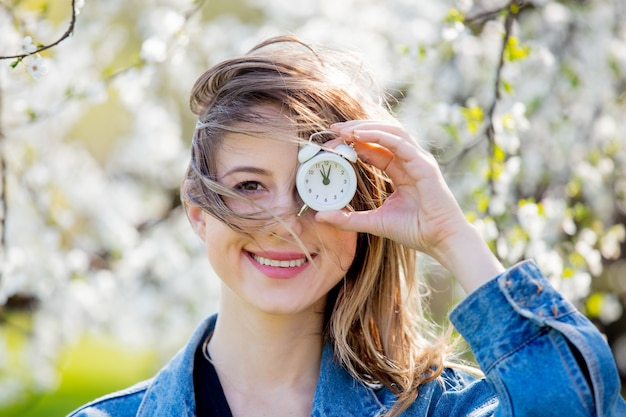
(123, 403)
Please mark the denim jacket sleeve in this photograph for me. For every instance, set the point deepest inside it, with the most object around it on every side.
(540, 355)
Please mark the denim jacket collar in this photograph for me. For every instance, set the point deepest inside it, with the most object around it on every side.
(335, 386)
(170, 392)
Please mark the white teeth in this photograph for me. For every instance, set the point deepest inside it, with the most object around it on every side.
(282, 264)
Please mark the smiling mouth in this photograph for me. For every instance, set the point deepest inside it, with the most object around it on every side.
(292, 263)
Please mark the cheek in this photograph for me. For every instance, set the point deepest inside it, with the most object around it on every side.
(346, 251)
(217, 236)
(242, 206)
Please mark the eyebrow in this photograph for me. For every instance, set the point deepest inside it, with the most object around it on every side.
(246, 169)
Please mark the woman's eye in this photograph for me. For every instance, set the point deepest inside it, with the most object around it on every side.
(249, 186)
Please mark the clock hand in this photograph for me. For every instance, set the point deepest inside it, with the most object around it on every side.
(325, 175)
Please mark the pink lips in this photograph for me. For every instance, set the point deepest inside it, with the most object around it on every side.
(279, 265)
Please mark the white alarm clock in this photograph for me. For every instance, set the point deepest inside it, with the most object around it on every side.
(326, 180)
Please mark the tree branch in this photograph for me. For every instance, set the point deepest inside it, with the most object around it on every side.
(508, 24)
(66, 35)
(487, 14)
(489, 132)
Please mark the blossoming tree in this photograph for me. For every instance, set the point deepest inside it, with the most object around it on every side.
(522, 102)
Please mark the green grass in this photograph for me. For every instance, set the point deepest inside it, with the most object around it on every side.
(94, 367)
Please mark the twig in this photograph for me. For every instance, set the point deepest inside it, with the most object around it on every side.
(67, 33)
(514, 8)
(485, 15)
(489, 132)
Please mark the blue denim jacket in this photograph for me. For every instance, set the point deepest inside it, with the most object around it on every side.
(528, 340)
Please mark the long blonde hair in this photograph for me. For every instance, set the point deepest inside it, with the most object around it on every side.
(374, 317)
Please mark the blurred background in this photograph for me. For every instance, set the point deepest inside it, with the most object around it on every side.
(102, 280)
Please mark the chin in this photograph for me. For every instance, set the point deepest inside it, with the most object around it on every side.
(289, 308)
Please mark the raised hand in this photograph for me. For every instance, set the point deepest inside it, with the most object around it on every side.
(422, 213)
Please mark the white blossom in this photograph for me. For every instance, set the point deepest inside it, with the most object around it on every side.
(611, 309)
(531, 220)
(28, 47)
(576, 287)
(154, 49)
(36, 66)
(78, 5)
(610, 243)
(453, 31)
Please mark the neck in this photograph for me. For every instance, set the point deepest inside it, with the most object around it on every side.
(253, 350)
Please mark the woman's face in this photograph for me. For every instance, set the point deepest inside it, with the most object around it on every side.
(268, 270)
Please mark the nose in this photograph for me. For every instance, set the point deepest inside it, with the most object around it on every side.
(287, 205)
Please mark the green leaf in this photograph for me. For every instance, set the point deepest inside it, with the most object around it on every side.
(571, 75)
(574, 188)
(577, 260)
(582, 215)
(517, 234)
(515, 50)
(16, 62)
(454, 15)
(482, 204)
(32, 115)
(508, 87)
(594, 304)
(453, 131)
(421, 52)
(471, 216)
(473, 116)
(482, 200)
(498, 154)
(403, 49)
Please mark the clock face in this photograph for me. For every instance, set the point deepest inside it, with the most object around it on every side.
(326, 182)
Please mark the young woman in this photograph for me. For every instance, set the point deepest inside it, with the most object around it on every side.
(320, 310)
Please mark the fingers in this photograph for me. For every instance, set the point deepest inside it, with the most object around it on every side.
(384, 133)
(387, 135)
(386, 146)
(370, 153)
(374, 154)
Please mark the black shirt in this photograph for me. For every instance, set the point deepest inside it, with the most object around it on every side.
(210, 398)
